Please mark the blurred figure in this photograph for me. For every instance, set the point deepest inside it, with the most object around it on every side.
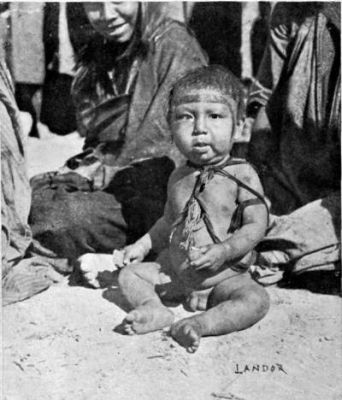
(4, 32)
(217, 26)
(66, 31)
(27, 56)
(232, 33)
(258, 34)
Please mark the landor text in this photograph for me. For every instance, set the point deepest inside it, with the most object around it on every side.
(258, 368)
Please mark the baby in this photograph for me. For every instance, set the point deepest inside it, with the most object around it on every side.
(214, 216)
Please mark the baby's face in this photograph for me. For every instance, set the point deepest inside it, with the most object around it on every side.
(202, 126)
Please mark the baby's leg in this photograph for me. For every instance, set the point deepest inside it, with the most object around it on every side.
(235, 304)
(197, 300)
(137, 283)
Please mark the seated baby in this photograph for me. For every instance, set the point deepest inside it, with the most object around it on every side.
(214, 217)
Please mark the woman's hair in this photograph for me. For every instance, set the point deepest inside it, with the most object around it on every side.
(212, 77)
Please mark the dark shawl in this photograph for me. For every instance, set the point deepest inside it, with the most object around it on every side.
(299, 83)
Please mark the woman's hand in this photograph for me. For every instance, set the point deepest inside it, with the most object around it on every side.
(210, 257)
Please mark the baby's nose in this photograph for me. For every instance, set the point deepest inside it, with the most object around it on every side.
(200, 127)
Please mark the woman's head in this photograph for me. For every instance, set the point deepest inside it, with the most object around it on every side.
(114, 20)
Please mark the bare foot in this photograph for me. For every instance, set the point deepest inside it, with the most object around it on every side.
(187, 332)
(91, 264)
(147, 318)
(197, 300)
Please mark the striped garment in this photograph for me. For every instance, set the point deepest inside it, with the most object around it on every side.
(23, 274)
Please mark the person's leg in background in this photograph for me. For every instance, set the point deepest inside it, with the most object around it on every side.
(24, 95)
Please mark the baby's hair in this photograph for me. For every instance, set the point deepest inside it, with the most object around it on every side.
(214, 77)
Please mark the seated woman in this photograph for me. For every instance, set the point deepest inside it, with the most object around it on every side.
(115, 190)
(296, 135)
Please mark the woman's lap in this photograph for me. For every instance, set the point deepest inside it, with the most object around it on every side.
(72, 219)
(73, 223)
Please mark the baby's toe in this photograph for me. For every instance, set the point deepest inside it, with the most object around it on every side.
(192, 349)
(128, 329)
(131, 317)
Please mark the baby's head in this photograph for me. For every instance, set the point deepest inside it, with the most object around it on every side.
(204, 109)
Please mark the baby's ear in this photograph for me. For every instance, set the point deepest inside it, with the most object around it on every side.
(243, 130)
(238, 132)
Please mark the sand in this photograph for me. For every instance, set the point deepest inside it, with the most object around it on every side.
(61, 344)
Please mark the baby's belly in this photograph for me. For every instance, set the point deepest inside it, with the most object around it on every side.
(180, 262)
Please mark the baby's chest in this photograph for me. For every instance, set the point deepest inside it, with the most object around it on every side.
(218, 195)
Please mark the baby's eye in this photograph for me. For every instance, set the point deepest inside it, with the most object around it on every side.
(181, 117)
(215, 116)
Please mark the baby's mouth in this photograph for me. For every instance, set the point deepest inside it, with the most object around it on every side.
(201, 144)
(200, 148)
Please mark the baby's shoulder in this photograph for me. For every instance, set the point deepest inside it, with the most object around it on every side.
(240, 168)
(246, 178)
(178, 174)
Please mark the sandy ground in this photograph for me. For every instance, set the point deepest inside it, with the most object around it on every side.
(61, 344)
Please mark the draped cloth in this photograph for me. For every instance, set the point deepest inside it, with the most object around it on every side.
(25, 270)
(299, 83)
(298, 155)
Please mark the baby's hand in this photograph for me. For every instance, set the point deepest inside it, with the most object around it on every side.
(212, 258)
(133, 253)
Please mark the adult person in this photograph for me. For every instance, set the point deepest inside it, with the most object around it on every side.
(66, 30)
(115, 190)
(296, 135)
(27, 56)
(25, 270)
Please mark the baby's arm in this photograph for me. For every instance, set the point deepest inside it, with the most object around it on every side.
(254, 225)
(157, 238)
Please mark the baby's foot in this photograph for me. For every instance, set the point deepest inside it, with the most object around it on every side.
(187, 332)
(147, 318)
(90, 265)
(197, 300)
